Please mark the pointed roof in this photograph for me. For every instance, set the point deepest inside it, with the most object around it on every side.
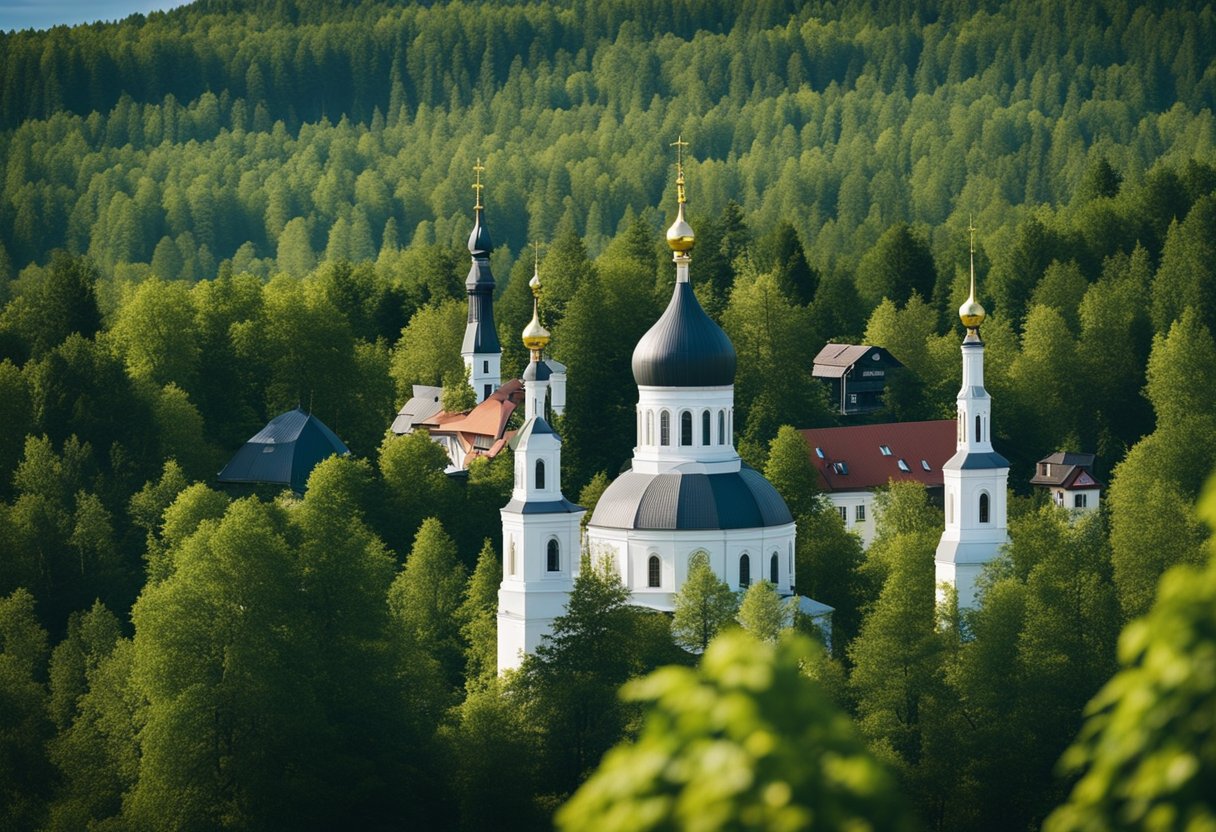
(684, 348)
(284, 452)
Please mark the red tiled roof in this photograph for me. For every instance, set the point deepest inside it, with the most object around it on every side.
(858, 447)
(488, 419)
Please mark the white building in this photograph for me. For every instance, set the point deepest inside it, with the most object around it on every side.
(1069, 479)
(976, 477)
(540, 527)
(854, 461)
(687, 492)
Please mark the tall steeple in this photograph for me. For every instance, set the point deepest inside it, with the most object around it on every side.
(540, 527)
(976, 478)
(684, 367)
(481, 351)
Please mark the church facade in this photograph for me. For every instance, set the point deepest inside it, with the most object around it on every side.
(687, 491)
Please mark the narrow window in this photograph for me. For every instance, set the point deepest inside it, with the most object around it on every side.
(485, 366)
(979, 434)
(721, 427)
(745, 571)
(704, 427)
(773, 569)
(649, 427)
(686, 428)
(983, 508)
(540, 474)
(654, 571)
(664, 428)
(486, 391)
(962, 428)
(511, 558)
(554, 559)
(844, 514)
(860, 514)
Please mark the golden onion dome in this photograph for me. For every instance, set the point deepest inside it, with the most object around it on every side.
(680, 236)
(971, 313)
(536, 337)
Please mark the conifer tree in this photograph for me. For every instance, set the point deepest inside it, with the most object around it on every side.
(703, 606)
(478, 615)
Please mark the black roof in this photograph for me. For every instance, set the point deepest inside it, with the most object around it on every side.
(686, 499)
(684, 348)
(284, 452)
(480, 244)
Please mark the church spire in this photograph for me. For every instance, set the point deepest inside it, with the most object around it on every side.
(535, 338)
(971, 313)
(680, 236)
(481, 351)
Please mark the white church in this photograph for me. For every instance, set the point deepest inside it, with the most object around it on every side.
(976, 478)
(686, 493)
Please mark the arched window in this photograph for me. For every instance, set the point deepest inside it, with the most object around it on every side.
(540, 474)
(745, 571)
(979, 434)
(983, 508)
(704, 427)
(721, 427)
(649, 427)
(654, 572)
(774, 573)
(686, 428)
(553, 561)
(664, 428)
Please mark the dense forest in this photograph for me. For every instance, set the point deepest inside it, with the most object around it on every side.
(212, 215)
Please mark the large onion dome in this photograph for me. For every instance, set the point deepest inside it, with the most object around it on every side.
(684, 348)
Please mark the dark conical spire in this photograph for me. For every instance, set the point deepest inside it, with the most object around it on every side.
(480, 335)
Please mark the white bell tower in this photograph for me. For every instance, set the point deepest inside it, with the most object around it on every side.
(976, 478)
(540, 527)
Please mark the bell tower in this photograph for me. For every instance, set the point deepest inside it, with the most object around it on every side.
(481, 351)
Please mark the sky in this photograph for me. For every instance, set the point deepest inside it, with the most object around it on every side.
(42, 14)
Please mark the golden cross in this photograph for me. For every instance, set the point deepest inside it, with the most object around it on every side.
(478, 169)
(679, 144)
(971, 228)
(536, 257)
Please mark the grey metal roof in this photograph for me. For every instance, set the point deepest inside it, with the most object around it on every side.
(970, 461)
(424, 404)
(684, 348)
(284, 452)
(535, 426)
(537, 371)
(686, 499)
(562, 506)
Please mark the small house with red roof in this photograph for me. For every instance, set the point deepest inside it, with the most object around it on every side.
(854, 461)
(1069, 479)
(481, 431)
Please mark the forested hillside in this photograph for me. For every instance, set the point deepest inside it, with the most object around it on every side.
(215, 214)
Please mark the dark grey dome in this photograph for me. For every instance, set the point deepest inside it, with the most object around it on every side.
(685, 499)
(480, 244)
(684, 348)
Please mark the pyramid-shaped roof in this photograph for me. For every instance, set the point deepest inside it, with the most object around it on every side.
(284, 452)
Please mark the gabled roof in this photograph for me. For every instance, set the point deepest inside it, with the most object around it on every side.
(422, 405)
(834, 360)
(284, 452)
(853, 458)
(481, 431)
(1068, 470)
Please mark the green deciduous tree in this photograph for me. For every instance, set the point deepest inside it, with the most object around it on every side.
(698, 762)
(704, 605)
(25, 773)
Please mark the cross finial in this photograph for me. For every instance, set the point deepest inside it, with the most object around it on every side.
(679, 144)
(971, 229)
(478, 169)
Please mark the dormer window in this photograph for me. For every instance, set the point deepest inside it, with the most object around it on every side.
(819, 453)
(903, 466)
(885, 450)
(924, 463)
(840, 468)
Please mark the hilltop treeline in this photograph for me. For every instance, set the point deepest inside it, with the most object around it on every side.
(215, 214)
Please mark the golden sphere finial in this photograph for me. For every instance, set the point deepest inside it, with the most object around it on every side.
(536, 337)
(971, 313)
(680, 237)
